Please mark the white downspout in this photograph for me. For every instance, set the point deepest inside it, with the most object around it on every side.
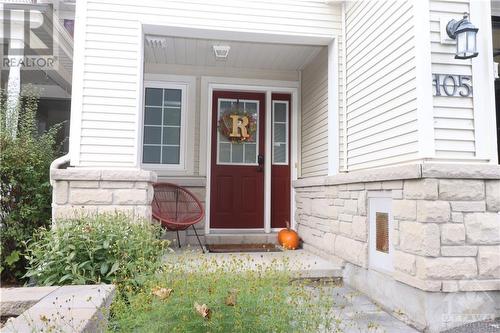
(56, 164)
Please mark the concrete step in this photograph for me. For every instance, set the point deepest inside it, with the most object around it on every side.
(271, 238)
(300, 263)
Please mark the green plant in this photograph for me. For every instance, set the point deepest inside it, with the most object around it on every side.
(107, 248)
(201, 294)
(25, 192)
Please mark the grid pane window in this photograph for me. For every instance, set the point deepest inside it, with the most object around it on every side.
(280, 132)
(243, 153)
(162, 126)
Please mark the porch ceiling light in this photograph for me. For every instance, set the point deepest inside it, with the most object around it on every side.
(221, 51)
(465, 34)
(156, 41)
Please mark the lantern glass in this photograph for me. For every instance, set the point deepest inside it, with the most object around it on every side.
(471, 42)
(461, 43)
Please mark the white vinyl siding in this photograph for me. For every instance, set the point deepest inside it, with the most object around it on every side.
(380, 83)
(314, 117)
(108, 58)
(453, 116)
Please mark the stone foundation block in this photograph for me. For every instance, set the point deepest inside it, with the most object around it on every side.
(360, 228)
(127, 197)
(345, 217)
(453, 234)
(355, 187)
(421, 189)
(468, 206)
(70, 211)
(84, 184)
(60, 193)
(344, 194)
(482, 228)
(81, 191)
(457, 217)
(419, 238)
(351, 250)
(323, 208)
(446, 268)
(392, 185)
(405, 262)
(397, 194)
(489, 261)
(493, 195)
(459, 251)
(346, 229)
(404, 209)
(113, 209)
(362, 203)
(433, 211)
(116, 184)
(350, 207)
(461, 189)
(480, 285)
(90, 196)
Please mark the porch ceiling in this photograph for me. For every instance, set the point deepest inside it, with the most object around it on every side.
(199, 52)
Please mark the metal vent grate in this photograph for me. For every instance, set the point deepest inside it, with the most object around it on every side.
(382, 232)
(221, 51)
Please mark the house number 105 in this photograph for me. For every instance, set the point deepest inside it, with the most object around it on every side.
(452, 85)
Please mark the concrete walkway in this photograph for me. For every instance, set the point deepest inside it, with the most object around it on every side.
(357, 313)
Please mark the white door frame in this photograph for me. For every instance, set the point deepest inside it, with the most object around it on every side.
(208, 85)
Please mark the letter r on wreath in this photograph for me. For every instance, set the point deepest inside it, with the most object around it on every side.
(239, 122)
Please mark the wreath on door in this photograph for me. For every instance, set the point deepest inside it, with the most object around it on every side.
(245, 122)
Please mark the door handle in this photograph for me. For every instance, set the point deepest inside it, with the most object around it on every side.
(260, 160)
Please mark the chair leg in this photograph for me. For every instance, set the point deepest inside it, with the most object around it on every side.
(199, 242)
(178, 239)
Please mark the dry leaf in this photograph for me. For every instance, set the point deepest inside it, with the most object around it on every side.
(232, 297)
(161, 293)
(203, 310)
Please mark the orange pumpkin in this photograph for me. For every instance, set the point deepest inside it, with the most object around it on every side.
(288, 238)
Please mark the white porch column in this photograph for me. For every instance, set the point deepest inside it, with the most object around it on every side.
(16, 45)
(13, 91)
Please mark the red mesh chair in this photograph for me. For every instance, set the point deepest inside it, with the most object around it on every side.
(176, 208)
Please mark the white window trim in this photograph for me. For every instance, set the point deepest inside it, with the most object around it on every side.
(187, 85)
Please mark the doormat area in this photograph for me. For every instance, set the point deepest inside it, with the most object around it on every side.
(231, 248)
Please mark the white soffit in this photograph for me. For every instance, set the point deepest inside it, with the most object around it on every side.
(200, 52)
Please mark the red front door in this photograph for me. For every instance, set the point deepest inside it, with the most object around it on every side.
(237, 170)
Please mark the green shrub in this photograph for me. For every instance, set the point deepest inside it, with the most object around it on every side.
(265, 299)
(95, 249)
(25, 192)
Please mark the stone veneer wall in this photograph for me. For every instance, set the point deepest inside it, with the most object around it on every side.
(446, 221)
(79, 191)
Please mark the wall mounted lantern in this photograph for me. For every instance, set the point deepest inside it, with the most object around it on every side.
(464, 33)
